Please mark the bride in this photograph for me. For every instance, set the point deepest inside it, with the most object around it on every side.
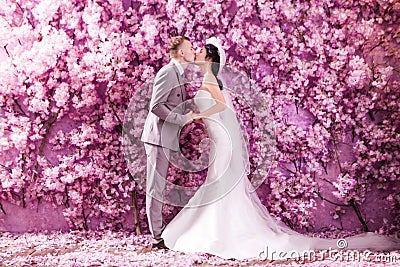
(225, 217)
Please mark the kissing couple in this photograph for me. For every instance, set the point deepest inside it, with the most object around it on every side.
(225, 217)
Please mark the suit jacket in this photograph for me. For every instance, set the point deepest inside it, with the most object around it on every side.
(165, 118)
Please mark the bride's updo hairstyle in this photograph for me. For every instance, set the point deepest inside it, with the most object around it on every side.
(212, 52)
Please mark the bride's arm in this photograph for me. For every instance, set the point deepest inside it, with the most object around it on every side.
(217, 96)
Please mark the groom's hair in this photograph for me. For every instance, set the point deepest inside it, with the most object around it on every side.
(174, 44)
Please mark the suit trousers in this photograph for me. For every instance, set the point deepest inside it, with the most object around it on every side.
(157, 167)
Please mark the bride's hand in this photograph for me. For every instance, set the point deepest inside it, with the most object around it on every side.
(196, 117)
(193, 117)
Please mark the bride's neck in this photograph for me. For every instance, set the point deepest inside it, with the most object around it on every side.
(206, 68)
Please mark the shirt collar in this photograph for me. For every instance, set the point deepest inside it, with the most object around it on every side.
(178, 65)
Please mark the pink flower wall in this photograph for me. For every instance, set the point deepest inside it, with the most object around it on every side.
(69, 69)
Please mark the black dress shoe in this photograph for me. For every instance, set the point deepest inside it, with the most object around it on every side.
(160, 245)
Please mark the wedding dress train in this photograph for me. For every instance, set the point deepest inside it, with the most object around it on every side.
(226, 218)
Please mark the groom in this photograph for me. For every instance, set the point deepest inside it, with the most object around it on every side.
(166, 116)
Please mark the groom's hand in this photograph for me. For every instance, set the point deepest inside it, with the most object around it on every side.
(193, 117)
(196, 118)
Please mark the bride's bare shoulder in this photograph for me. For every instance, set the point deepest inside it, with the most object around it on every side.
(209, 79)
(208, 82)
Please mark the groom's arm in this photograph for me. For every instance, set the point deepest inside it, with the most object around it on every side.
(163, 85)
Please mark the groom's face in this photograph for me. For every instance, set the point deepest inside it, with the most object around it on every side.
(187, 51)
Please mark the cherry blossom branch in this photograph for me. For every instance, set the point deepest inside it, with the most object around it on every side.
(330, 201)
(84, 216)
(5, 167)
(356, 208)
(133, 193)
(2, 208)
(23, 11)
(233, 17)
(258, 12)
(5, 48)
(336, 148)
(48, 123)
(135, 211)
(19, 106)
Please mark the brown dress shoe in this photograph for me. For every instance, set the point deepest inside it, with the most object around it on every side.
(160, 245)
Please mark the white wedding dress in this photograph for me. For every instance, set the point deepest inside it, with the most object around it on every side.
(225, 216)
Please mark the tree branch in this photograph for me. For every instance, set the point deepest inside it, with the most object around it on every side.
(49, 123)
(330, 201)
(359, 215)
(5, 48)
(2, 208)
(135, 213)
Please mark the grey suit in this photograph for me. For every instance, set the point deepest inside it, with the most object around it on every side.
(160, 136)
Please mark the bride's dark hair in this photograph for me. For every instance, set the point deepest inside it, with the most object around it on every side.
(212, 52)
